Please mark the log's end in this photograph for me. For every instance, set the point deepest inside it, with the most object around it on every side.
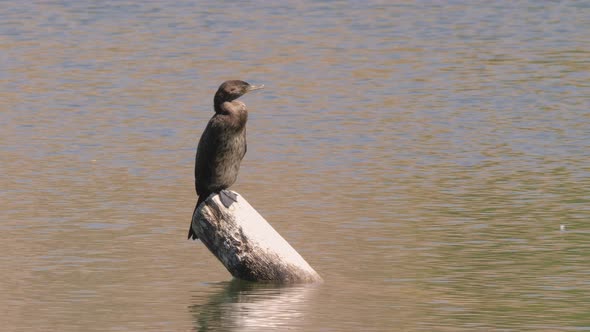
(247, 245)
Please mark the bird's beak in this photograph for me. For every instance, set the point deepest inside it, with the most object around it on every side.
(255, 87)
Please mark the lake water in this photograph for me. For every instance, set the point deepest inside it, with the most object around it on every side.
(422, 157)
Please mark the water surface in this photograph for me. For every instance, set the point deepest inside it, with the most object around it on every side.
(422, 157)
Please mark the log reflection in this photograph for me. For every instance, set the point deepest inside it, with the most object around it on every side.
(242, 305)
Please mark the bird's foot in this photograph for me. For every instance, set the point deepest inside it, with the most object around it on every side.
(227, 198)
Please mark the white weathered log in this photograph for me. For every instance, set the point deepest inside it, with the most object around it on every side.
(247, 245)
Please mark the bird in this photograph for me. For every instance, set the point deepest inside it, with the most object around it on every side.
(222, 145)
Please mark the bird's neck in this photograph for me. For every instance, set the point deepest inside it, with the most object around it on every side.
(218, 100)
(235, 110)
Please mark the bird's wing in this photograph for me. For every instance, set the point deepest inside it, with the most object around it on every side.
(205, 150)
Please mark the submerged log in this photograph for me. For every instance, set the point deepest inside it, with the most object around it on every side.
(247, 245)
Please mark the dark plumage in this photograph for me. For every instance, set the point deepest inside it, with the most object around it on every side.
(223, 144)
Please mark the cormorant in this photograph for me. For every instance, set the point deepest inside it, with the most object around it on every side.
(222, 145)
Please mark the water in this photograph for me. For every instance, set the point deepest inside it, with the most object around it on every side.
(422, 157)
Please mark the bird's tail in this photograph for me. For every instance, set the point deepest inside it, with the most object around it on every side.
(191, 232)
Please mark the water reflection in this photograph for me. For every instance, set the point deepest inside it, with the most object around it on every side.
(242, 306)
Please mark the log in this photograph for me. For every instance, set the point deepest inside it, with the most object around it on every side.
(247, 245)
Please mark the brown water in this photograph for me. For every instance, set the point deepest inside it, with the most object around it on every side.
(421, 157)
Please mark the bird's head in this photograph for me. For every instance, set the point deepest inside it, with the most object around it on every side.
(232, 90)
